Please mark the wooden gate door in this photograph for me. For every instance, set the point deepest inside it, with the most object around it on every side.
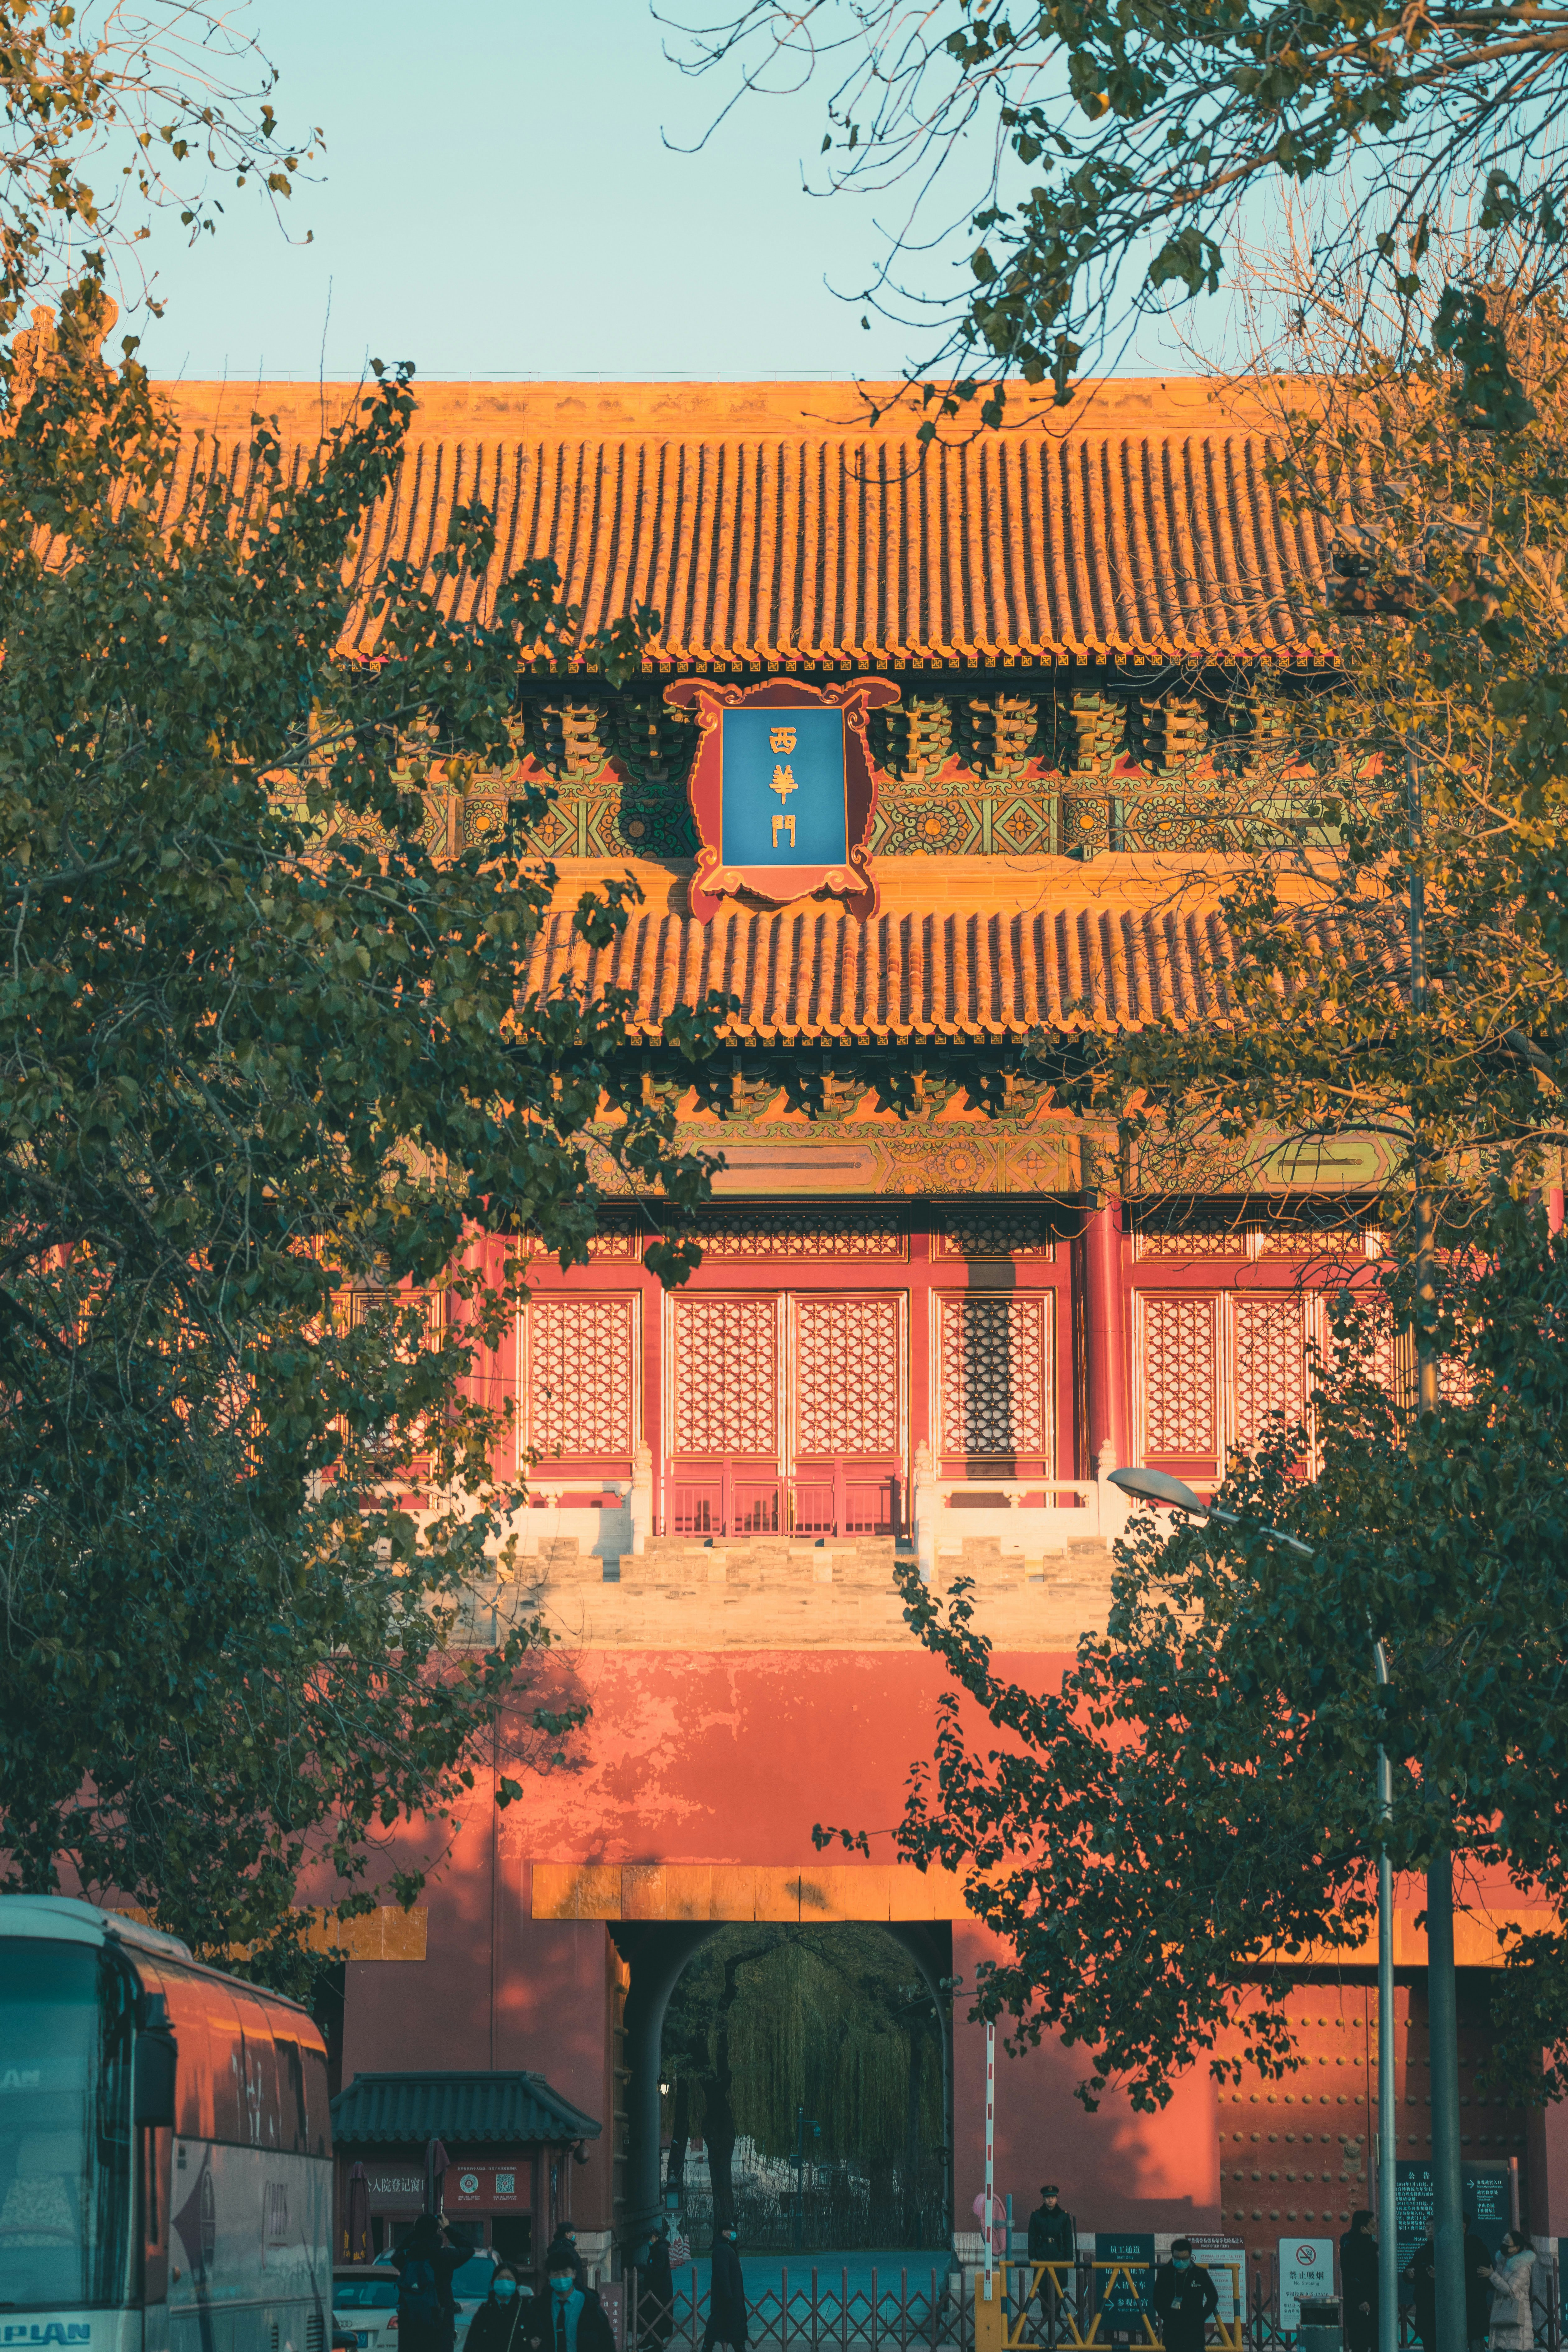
(786, 1415)
(724, 1426)
(849, 1435)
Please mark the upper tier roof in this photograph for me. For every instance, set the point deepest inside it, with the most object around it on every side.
(772, 524)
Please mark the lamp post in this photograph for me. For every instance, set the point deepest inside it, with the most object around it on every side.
(1158, 1486)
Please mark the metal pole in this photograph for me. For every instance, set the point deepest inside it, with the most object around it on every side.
(989, 2139)
(1387, 2228)
(1442, 2021)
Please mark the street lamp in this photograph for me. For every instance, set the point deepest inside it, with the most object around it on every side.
(1159, 1487)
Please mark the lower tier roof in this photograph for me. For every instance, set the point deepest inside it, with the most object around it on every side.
(982, 952)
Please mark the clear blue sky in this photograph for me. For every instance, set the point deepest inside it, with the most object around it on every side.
(497, 200)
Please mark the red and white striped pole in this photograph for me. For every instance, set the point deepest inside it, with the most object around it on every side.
(990, 2146)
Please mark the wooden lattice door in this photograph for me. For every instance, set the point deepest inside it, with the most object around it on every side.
(725, 1429)
(847, 1392)
(786, 1415)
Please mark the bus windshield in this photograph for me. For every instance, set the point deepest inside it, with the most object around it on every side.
(64, 2126)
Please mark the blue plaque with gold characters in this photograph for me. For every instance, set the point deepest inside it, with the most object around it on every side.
(783, 789)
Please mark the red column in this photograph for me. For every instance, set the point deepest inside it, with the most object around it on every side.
(1103, 1329)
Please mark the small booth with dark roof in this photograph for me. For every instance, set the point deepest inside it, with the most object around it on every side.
(506, 2136)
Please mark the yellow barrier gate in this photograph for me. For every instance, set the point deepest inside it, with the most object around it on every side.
(997, 2330)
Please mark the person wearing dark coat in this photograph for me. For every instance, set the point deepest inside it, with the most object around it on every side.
(1478, 2287)
(564, 2242)
(655, 2292)
(567, 2317)
(500, 2322)
(1358, 2281)
(727, 2294)
(426, 2262)
(1052, 2239)
(1422, 2272)
(1186, 2299)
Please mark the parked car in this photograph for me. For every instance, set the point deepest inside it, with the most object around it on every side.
(365, 2306)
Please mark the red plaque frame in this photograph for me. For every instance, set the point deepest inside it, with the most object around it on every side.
(777, 884)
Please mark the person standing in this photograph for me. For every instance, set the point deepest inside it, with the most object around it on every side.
(1421, 2270)
(1053, 2239)
(499, 2325)
(1478, 2287)
(1186, 2299)
(1513, 2308)
(425, 2263)
(569, 2318)
(727, 2293)
(656, 2291)
(1358, 2282)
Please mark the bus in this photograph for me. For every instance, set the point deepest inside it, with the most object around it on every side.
(165, 2147)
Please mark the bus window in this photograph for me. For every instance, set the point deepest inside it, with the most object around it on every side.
(210, 2072)
(294, 2120)
(259, 2106)
(318, 2100)
(66, 2189)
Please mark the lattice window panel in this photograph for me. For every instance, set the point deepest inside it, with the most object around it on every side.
(996, 1377)
(726, 1376)
(582, 1366)
(984, 1234)
(847, 1376)
(791, 1233)
(1326, 1240)
(1271, 1367)
(1197, 1236)
(1178, 1375)
(617, 1238)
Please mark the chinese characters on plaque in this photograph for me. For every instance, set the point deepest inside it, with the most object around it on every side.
(783, 789)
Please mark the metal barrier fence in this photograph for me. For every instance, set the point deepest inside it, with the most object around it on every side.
(810, 2310)
(1087, 2306)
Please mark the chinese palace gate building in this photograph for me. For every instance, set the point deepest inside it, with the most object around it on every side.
(930, 1332)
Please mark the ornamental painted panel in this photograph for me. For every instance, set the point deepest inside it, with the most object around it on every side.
(995, 1378)
(980, 1234)
(848, 1376)
(582, 1377)
(726, 1376)
(1270, 1373)
(1176, 1375)
(801, 1233)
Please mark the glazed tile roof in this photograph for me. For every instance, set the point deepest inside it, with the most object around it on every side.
(1062, 957)
(463, 2108)
(770, 525)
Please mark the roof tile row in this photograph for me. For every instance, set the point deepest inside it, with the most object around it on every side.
(816, 973)
(1149, 538)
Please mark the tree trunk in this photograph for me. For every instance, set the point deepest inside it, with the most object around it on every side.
(719, 2115)
(680, 2132)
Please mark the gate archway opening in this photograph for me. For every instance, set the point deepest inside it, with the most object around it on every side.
(814, 2062)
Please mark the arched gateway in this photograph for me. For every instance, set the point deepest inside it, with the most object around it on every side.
(933, 1333)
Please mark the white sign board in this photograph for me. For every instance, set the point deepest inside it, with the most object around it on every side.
(1306, 2270)
(1225, 2260)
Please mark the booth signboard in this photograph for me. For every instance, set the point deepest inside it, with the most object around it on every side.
(1486, 2194)
(1225, 2259)
(489, 2184)
(613, 2302)
(1124, 2295)
(783, 789)
(485, 2188)
(1306, 2269)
